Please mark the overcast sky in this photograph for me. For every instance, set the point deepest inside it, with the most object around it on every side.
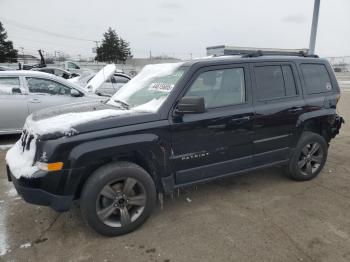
(176, 27)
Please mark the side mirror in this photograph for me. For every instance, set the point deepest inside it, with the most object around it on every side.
(16, 90)
(74, 93)
(191, 105)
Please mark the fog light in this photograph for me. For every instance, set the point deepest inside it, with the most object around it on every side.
(50, 166)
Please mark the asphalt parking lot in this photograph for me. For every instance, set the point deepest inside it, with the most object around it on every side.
(261, 216)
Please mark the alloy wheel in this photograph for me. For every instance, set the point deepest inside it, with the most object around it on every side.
(310, 159)
(121, 202)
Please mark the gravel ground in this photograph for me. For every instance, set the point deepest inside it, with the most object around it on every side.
(261, 216)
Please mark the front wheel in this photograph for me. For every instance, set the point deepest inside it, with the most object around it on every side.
(118, 198)
(309, 157)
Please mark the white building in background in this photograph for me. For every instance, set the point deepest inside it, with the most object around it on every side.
(27, 59)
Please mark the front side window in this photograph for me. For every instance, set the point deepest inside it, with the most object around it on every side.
(274, 81)
(150, 88)
(10, 86)
(46, 86)
(219, 88)
(316, 78)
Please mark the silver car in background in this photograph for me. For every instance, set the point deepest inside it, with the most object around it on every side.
(108, 88)
(23, 92)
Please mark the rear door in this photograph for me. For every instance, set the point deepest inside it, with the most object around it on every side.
(278, 103)
(13, 104)
(218, 141)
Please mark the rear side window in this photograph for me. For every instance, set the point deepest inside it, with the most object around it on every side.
(274, 81)
(316, 78)
(9, 86)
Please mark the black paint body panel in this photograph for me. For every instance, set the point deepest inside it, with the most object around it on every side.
(179, 150)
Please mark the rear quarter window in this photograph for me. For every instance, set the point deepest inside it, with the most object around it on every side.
(316, 78)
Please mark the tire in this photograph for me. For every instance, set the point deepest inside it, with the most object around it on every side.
(120, 190)
(310, 147)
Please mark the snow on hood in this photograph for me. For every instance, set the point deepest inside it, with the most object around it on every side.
(65, 123)
(21, 161)
(102, 76)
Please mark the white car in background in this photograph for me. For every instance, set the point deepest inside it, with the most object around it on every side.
(23, 92)
(111, 84)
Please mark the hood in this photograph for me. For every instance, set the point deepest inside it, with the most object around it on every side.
(81, 118)
(102, 76)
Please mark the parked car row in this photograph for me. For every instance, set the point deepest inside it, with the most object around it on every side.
(23, 92)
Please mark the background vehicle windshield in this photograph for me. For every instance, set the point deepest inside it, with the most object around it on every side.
(150, 88)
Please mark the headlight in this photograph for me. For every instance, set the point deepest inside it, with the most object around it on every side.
(49, 166)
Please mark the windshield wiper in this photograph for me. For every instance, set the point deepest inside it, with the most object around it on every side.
(122, 103)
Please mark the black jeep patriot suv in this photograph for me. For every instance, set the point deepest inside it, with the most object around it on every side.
(174, 125)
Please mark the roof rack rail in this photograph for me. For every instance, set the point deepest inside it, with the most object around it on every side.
(258, 53)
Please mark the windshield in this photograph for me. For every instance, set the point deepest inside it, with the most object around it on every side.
(149, 89)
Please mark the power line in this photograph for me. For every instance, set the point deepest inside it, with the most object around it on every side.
(43, 31)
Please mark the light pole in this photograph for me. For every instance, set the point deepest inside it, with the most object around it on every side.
(314, 27)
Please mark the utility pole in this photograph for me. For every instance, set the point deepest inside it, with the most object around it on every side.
(22, 54)
(150, 55)
(314, 27)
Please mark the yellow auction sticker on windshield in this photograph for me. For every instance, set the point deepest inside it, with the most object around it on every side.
(162, 87)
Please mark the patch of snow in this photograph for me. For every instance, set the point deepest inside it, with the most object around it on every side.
(64, 123)
(26, 245)
(6, 90)
(12, 192)
(102, 76)
(21, 162)
(3, 235)
(151, 106)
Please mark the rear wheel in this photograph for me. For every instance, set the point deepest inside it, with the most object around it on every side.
(118, 198)
(309, 157)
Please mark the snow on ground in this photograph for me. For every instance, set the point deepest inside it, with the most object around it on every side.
(26, 245)
(5, 147)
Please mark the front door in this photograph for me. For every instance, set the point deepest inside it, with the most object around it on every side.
(218, 141)
(278, 104)
(45, 93)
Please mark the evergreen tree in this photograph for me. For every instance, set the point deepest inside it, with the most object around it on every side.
(113, 48)
(7, 52)
(125, 51)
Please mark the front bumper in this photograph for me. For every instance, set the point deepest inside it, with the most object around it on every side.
(31, 190)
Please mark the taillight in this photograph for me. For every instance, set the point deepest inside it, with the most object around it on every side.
(338, 98)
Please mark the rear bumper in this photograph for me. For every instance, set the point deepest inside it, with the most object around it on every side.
(338, 121)
(33, 194)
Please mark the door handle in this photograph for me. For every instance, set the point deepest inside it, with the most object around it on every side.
(35, 101)
(241, 120)
(295, 110)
